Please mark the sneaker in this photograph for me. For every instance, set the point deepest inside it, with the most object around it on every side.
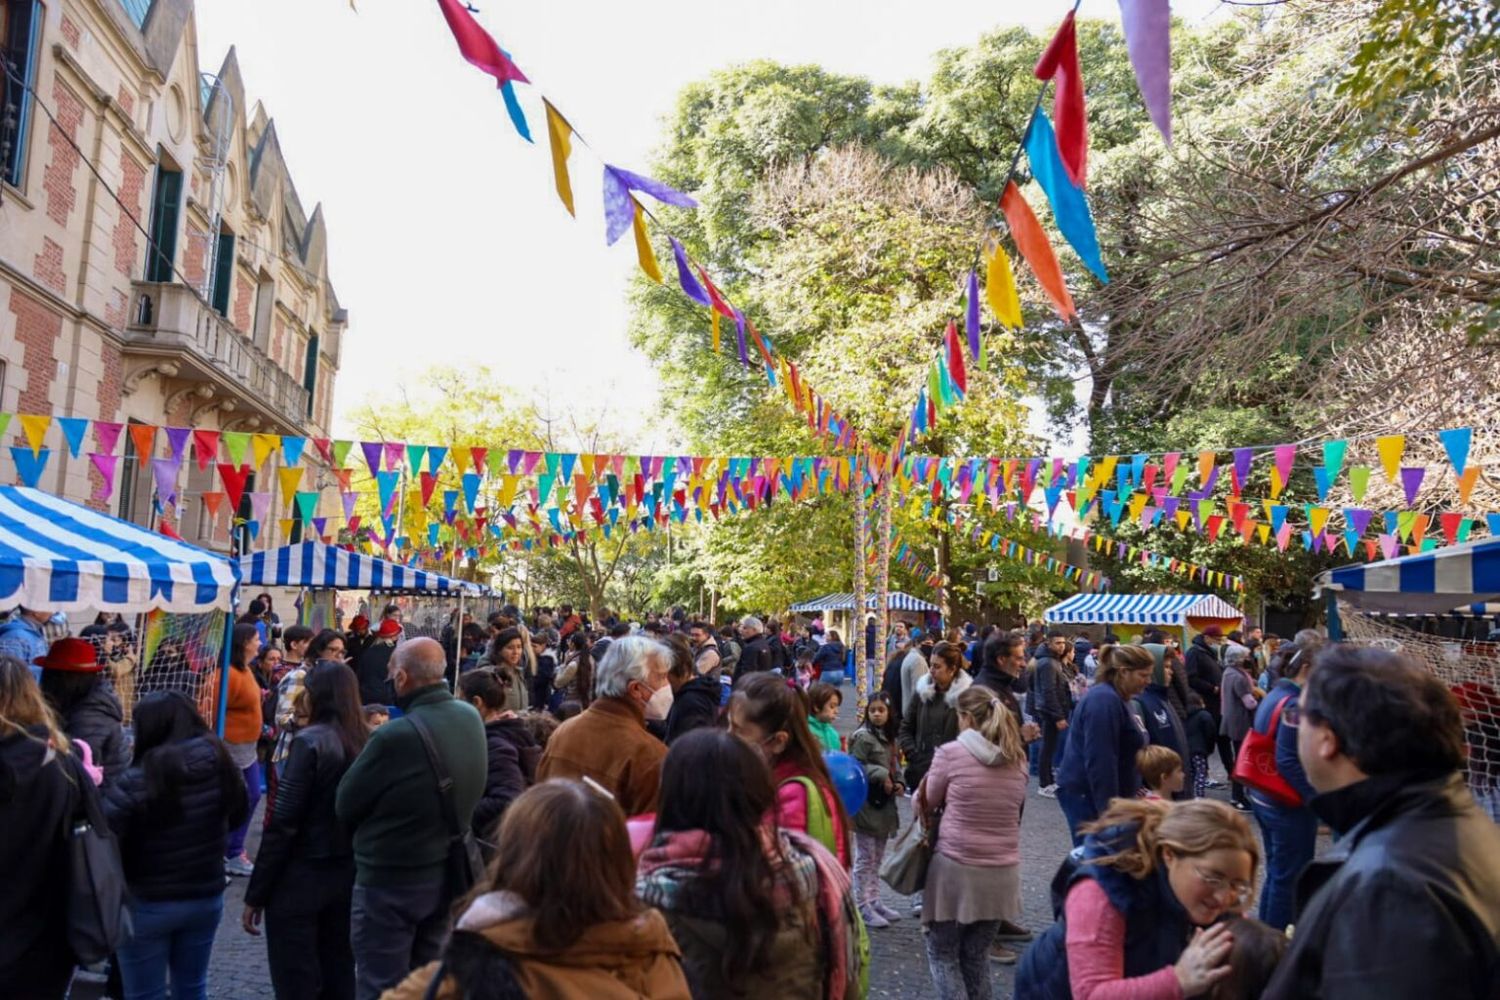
(1013, 932)
(916, 905)
(887, 912)
(1002, 955)
(240, 866)
(872, 919)
(1243, 807)
(1048, 792)
(1215, 783)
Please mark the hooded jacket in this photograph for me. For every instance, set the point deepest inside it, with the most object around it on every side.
(372, 669)
(1051, 697)
(877, 755)
(982, 794)
(694, 705)
(928, 722)
(1407, 901)
(634, 959)
(1205, 672)
(512, 756)
(96, 719)
(1099, 759)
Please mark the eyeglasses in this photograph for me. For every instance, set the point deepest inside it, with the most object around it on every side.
(1218, 883)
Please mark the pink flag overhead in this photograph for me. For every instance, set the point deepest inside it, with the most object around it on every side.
(476, 45)
(1059, 63)
(107, 434)
(106, 466)
(1148, 38)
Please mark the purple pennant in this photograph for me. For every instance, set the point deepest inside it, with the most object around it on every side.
(349, 500)
(739, 333)
(372, 451)
(685, 277)
(1148, 39)
(1242, 458)
(1358, 519)
(260, 504)
(971, 317)
(619, 207)
(165, 472)
(513, 459)
(106, 466)
(176, 438)
(1411, 481)
(395, 451)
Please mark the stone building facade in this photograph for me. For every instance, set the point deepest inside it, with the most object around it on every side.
(156, 263)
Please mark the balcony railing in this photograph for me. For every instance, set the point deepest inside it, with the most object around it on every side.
(171, 316)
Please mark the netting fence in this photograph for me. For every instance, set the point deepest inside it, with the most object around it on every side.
(169, 652)
(1468, 667)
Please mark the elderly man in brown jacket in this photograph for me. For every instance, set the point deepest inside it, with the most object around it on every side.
(609, 743)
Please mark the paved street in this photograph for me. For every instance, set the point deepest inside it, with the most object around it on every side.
(898, 962)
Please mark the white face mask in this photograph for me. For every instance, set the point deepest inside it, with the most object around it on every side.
(660, 703)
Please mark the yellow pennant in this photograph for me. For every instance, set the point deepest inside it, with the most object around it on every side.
(560, 136)
(713, 319)
(261, 446)
(1276, 484)
(647, 256)
(1391, 448)
(290, 479)
(1000, 289)
(35, 426)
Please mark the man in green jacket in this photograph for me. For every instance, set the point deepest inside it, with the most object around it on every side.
(390, 799)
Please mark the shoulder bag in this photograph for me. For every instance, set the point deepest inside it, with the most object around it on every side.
(464, 865)
(98, 920)
(1256, 764)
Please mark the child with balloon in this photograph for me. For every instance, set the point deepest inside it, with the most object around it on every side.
(873, 747)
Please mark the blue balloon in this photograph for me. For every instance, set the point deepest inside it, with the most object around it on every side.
(848, 779)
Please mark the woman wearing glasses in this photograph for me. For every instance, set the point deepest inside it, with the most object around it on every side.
(1140, 910)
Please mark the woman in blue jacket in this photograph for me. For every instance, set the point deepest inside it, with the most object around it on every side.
(1099, 761)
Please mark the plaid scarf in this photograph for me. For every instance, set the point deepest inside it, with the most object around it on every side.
(675, 859)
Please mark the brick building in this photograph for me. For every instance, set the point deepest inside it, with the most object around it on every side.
(183, 285)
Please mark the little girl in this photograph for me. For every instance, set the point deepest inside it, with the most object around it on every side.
(874, 746)
(823, 702)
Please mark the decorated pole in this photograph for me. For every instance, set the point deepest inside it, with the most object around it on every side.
(883, 500)
(856, 638)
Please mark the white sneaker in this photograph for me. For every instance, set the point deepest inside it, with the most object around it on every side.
(872, 919)
(240, 866)
(1049, 792)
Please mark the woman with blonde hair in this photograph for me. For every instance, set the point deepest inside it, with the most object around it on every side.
(1140, 908)
(974, 880)
(1098, 763)
(40, 787)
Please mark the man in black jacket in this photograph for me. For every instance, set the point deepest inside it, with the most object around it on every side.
(1407, 903)
(1205, 671)
(755, 652)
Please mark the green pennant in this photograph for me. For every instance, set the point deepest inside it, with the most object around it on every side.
(235, 443)
(1333, 458)
(1359, 481)
(414, 455)
(1180, 476)
(341, 453)
(1405, 521)
(1464, 527)
(4, 422)
(307, 505)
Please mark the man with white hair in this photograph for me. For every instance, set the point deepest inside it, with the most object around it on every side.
(609, 743)
(755, 652)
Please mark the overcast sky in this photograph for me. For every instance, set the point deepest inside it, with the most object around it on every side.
(446, 241)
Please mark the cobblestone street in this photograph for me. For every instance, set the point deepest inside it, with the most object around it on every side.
(898, 961)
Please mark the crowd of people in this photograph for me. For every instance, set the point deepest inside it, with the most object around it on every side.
(543, 806)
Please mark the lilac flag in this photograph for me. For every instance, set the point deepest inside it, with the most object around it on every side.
(685, 277)
(619, 207)
(176, 438)
(165, 472)
(1411, 481)
(1148, 38)
(260, 504)
(372, 450)
(739, 329)
(106, 466)
(971, 318)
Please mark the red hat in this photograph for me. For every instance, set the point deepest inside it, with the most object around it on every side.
(1214, 632)
(75, 656)
(359, 621)
(389, 629)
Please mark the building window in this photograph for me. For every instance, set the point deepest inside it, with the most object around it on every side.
(223, 273)
(310, 373)
(166, 202)
(137, 10)
(265, 303)
(20, 31)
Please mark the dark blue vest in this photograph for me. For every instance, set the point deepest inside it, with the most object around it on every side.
(1157, 928)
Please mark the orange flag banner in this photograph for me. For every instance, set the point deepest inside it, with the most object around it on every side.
(1032, 241)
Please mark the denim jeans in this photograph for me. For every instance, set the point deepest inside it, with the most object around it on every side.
(169, 937)
(1077, 809)
(958, 956)
(235, 845)
(1291, 838)
(394, 929)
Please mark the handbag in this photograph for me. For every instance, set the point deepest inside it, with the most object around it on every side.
(1255, 767)
(464, 865)
(98, 920)
(905, 866)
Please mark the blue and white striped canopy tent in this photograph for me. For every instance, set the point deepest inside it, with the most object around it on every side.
(1426, 583)
(1165, 610)
(895, 601)
(56, 555)
(326, 567)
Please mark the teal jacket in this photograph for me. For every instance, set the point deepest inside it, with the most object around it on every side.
(389, 795)
(824, 733)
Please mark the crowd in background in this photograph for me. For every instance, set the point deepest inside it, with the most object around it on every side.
(547, 805)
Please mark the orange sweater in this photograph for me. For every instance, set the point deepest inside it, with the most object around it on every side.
(242, 718)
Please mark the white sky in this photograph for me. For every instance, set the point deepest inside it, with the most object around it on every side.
(446, 240)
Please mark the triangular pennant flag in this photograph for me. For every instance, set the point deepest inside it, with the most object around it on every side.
(1000, 288)
(560, 138)
(106, 434)
(1466, 483)
(373, 450)
(1411, 481)
(164, 472)
(1333, 457)
(234, 479)
(1359, 479)
(1059, 63)
(476, 45)
(1032, 242)
(307, 505)
(29, 464)
(385, 482)
(971, 315)
(205, 448)
(177, 440)
(619, 206)
(73, 429)
(34, 427)
(1391, 447)
(143, 436)
(290, 479)
(261, 446)
(1070, 209)
(341, 451)
(646, 257)
(291, 449)
(1148, 39)
(1456, 442)
(213, 500)
(686, 278)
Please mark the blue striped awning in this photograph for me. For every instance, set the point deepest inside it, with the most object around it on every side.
(327, 567)
(56, 555)
(1168, 610)
(895, 601)
(1425, 583)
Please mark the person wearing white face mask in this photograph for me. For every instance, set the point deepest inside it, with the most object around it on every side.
(609, 743)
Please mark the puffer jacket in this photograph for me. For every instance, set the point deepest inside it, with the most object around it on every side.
(96, 719)
(928, 722)
(178, 856)
(981, 794)
(877, 755)
(694, 706)
(39, 789)
(512, 756)
(1098, 762)
(634, 959)
(303, 826)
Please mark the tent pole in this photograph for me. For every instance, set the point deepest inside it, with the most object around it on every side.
(224, 670)
(458, 641)
(1335, 626)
